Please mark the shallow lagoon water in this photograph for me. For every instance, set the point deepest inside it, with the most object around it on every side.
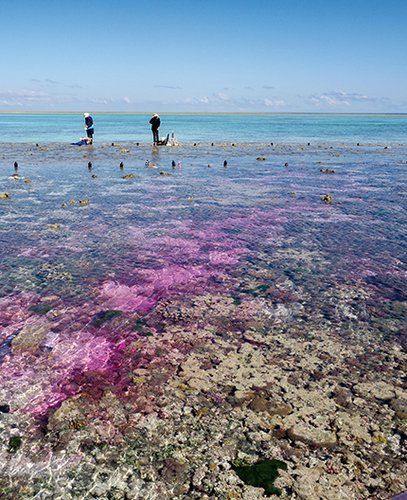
(209, 127)
(106, 280)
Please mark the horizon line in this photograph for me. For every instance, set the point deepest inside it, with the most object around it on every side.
(368, 113)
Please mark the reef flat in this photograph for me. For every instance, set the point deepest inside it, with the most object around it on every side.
(202, 322)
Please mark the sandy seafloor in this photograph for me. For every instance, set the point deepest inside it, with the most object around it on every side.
(160, 330)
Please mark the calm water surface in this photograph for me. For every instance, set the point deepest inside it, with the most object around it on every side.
(189, 128)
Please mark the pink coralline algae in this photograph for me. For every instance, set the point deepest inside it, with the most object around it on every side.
(181, 246)
(187, 261)
(157, 285)
(15, 308)
(45, 381)
(224, 258)
(70, 354)
(127, 298)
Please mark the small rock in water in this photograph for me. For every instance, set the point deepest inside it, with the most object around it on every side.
(4, 408)
(32, 336)
(327, 198)
(400, 407)
(319, 438)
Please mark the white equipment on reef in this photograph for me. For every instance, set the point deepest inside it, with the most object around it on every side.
(172, 141)
(168, 141)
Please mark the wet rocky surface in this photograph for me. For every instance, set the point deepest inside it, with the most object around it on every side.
(234, 321)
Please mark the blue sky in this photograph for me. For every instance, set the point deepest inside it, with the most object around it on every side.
(204, 55)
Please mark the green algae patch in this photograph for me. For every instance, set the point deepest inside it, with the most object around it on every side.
(14, 444)
(139, 324)
(104, 316)
(261, 475)
(237, 301)
(41, 309)
(258, 290)
(147, 334)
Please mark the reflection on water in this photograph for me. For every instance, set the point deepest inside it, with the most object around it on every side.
(92, 263)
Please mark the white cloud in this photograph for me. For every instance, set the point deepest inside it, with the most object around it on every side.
(335, 98)
(197, 100)
(273, 103)
(221, 96)
(27, 94)
(101, 100)
(222, 101)
(23, 97)
(46, 81)
(166, 87)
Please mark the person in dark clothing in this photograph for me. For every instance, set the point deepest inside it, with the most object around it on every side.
(89, 126)
(155, 123)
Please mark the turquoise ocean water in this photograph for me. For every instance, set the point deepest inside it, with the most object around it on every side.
(190, 128)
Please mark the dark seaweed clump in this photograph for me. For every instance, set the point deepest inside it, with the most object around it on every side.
(14, 444)
(103, 316)
(41, 309)
(262, 475)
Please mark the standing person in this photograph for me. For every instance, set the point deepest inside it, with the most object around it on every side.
(155, 123)
(89, 126)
